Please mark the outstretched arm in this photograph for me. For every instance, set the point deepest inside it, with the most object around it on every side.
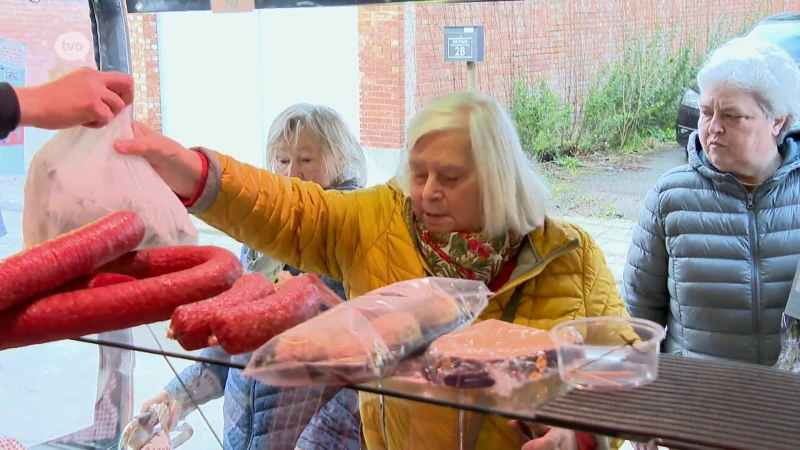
(295, 222)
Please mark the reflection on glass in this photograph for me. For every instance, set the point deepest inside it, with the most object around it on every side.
(519, 400)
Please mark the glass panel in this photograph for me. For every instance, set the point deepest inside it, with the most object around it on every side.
(79, 396)
(219, 80)
(409, 382)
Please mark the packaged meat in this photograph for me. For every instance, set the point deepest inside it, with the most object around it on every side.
(488, 353)
(244, 327)
(77, 177)
(366, 338)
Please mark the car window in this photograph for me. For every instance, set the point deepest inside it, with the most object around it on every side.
(785, 34)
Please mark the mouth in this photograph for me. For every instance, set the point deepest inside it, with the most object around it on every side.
(430, 216)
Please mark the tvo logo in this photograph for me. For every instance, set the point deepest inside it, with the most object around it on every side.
(72, 46)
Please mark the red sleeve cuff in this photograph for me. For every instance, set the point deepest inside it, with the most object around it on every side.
(586, 441)
(201, 186)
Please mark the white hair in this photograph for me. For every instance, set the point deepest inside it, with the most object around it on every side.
(761, 69)
(513, 197)
(342, 154)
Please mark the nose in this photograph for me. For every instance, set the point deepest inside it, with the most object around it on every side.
(294, 171)
(431, 191)
(715, 125)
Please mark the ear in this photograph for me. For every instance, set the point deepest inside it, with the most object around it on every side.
(777, 126)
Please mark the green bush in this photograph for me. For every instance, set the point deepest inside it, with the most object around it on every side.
(632, 101)
(542, 118)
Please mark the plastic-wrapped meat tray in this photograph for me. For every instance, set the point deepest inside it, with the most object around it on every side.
(488, 353)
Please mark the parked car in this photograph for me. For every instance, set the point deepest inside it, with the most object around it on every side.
(781, 29)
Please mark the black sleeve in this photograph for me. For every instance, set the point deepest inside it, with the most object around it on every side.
(9, 110)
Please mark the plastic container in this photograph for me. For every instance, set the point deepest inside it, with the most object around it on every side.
(608, 352)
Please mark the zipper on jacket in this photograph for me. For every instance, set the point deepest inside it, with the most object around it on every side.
(251, 388)
(754, 272)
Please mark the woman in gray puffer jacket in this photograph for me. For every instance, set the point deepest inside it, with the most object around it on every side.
(717, 243)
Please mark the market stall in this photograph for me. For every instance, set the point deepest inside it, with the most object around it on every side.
(128, 275)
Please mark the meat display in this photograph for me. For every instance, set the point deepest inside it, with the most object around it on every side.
(366, 338)
(191, 324)
(247, 326)
(489, 352)
(45, 267)
(165, 279)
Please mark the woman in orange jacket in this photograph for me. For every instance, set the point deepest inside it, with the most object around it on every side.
(467, 204)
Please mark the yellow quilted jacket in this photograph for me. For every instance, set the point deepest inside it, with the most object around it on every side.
(362, 238)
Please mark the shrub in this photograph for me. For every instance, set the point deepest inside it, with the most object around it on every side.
(632, 101)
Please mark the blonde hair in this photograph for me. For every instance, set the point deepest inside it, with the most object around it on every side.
(343, 157)
(513, 197)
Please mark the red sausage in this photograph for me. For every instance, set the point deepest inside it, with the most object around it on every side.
(191, 324)
(42, 268)
(92, 281)
(250, 325)
(197, 273)
(107, 279)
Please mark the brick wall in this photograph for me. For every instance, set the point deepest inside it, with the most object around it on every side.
(401, 51)
(382, 62)
(39, 25)
(144, 54)
(564, 41)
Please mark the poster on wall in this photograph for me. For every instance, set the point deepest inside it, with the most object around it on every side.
(12, 71)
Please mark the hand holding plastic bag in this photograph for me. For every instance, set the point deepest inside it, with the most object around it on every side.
(77, 177)
(367, 338)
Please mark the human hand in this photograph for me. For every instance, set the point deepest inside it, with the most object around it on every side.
(178, 166)
(175, 409)
(82, 97)
(544, 437)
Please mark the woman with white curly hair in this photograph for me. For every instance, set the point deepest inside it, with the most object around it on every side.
(717, 243)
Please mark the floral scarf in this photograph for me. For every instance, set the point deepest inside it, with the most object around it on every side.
(464, 255)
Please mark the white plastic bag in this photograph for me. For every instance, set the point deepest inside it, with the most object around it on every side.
(77, 177)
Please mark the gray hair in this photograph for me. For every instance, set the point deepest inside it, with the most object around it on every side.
(761, 69)
(513, 197)
(343, 156)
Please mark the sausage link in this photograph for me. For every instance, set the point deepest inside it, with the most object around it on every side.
(191, 324)
(45, 267)
(200, 272)
(250, 325)
(91, 281)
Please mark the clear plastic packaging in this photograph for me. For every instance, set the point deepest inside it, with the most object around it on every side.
(789, 358)
(366, 338)
(608, 352)
(77, 177)
(490, 353)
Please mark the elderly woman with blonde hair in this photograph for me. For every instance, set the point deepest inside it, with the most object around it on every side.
(311, 143)
(718, 240)
(467, 204)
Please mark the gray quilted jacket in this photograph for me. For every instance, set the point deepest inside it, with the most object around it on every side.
(715, 262)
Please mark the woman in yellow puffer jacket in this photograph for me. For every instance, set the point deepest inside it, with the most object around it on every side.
(467, 204)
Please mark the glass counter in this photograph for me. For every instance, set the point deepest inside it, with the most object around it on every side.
(80, 396)
(518, 402)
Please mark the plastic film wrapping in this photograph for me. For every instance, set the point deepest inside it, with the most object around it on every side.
(366, 338)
